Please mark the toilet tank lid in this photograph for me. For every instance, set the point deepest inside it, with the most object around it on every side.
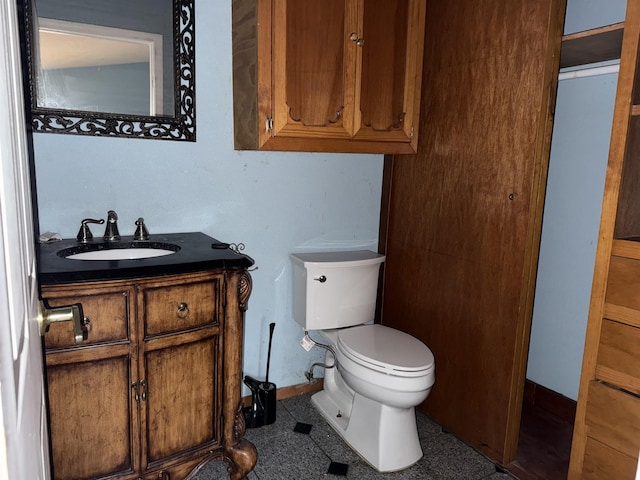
(341, 259)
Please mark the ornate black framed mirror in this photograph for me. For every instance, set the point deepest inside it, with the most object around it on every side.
(112, 67)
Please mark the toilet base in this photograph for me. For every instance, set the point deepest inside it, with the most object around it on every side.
(385, 437)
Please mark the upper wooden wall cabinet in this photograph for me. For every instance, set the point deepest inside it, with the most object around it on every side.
(328, 76)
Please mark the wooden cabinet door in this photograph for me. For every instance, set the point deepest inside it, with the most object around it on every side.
(93, 428)
(463, 220)
(314, 68)
(181, 361)
(390, 70)
(341, 75)
(91, 425)
(180, 404)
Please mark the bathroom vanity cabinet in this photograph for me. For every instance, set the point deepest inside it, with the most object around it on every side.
(154, 392)
(334, 76)
(606, 436)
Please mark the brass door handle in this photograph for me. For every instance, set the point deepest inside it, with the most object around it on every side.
(72, 313)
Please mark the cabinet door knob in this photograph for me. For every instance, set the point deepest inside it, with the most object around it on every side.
(354, 38)
(183, 311)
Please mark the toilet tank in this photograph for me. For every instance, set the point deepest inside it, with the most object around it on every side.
(335, 289)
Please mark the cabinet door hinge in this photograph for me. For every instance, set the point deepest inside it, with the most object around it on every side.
(411, 132)
(269, 124)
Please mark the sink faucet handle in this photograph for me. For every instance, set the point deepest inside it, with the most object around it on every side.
(141, 230)
(111, 233)
(85, 235)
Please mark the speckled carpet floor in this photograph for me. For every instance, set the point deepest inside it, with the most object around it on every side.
(284, 454)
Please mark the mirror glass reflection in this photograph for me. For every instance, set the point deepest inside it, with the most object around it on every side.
(98, 69)
(96, 62)
(105, 56)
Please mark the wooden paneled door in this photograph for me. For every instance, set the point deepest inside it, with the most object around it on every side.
(461, 218)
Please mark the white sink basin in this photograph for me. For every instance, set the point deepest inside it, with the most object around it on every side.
(121, 254)
(118, 251)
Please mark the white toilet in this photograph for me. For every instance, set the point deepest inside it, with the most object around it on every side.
(381, 374)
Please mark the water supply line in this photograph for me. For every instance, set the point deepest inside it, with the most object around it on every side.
(309, 373)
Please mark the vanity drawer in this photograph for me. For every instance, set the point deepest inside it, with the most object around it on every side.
(613, 419)
(618, 361)
(168, 309)
(109, 315)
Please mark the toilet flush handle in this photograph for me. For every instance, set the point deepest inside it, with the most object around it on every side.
(321, 279)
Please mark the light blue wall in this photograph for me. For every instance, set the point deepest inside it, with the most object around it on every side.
(587, 14)
(577, 166)
(275, 203)
(579, 150)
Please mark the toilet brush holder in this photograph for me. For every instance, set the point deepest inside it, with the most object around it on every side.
(262, 410)
(267, 394)
(263, 396)
(254, 414)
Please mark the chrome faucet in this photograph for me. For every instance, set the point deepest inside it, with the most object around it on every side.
(111, 233)
(141, 230)
(84, 235)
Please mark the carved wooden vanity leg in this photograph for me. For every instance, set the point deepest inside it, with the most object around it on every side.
(240, 453)
(242, 459)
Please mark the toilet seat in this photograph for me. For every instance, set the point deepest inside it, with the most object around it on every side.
(386, 350)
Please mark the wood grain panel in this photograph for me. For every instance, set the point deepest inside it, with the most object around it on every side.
(591, 46)
(626, 248)
(465, 212)
(623, 285)
(382, 96)
(622, 314)
(602, 461)
(108, 310)
(613, 418)
(167, 309)
(245, 60)
(181, 398)
(617, 356)
(315, 61)
(628, 214)
(91, 431)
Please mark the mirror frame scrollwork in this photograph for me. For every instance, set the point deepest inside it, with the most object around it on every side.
(180, 126)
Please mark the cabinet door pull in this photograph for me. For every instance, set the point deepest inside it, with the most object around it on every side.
(354, 38)
(183, 311)
(134, 386)
(143, 384)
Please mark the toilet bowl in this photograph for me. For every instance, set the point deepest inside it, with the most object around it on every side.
(380, 373)
(385, 364)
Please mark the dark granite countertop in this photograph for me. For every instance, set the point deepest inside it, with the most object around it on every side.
(198, 252)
